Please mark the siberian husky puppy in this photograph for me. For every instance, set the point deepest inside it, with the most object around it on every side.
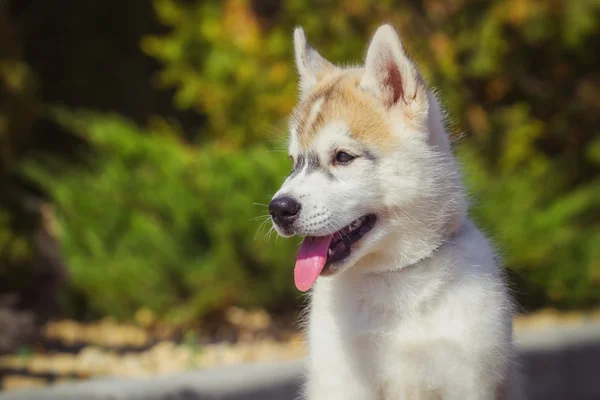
(407, 300)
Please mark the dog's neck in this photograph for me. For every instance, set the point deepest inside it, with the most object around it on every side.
(409, 243)
(413, 284)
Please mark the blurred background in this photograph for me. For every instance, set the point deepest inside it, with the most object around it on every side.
(140, 142)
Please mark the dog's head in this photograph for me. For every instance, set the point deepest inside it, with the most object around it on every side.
(373, 181)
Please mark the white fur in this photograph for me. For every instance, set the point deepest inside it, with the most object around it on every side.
(308, 61)
(420, 309)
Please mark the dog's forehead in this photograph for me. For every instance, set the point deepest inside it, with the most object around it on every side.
(336, 109)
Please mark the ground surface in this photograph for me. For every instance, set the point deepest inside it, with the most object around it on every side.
(73, 351)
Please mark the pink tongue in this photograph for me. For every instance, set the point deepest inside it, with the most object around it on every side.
(310, 261)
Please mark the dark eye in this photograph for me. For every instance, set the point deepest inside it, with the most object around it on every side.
(341, 157)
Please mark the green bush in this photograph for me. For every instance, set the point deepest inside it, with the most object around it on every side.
(156, 221)
(160, 223)
(517, 76)
(546, 234)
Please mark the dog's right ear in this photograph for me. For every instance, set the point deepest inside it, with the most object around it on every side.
(311, 65)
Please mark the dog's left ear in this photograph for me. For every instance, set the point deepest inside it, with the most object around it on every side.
(389, 73)
(311, 65)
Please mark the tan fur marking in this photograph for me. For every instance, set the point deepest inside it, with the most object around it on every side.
(343, 101)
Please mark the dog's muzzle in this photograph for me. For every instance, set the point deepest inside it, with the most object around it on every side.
(284, 211)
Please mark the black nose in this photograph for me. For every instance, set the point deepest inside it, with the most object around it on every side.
(284, 210)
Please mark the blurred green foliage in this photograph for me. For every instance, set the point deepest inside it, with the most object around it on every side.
(18, 109)
(156, 220)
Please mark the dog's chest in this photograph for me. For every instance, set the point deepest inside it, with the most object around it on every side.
(377, 329)
(377, 307)
(371, 323)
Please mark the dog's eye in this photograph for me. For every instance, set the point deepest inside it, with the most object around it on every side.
(341, 157)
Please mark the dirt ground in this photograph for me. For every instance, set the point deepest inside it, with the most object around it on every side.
(74, 351)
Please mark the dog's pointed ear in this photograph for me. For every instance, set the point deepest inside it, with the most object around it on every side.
(311, 65)
(389, 73)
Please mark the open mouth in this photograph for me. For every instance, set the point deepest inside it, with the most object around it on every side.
(342, 241)
(318, 254)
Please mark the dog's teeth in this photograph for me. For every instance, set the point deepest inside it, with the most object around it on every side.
(355, 226)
